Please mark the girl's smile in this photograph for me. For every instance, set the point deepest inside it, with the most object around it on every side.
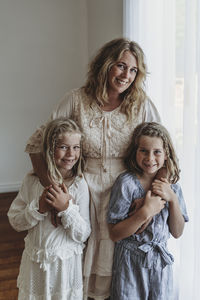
(67, 152)
(150, 155)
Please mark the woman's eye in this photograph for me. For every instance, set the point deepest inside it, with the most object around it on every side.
(134, 70)
(121, 66)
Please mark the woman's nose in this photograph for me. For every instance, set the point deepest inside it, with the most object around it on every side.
(126, 73)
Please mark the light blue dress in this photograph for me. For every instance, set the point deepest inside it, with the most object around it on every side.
(142, 265)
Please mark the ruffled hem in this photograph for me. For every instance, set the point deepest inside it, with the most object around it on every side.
(48, 256)
(70, 294)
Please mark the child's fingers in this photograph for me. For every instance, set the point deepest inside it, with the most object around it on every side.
(55, 188)
(64, 188)
(164, 180)
(50, 195)
(51, 202)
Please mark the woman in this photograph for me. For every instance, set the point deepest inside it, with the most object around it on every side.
(107, 109)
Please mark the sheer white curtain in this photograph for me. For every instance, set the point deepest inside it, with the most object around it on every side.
(169, 33)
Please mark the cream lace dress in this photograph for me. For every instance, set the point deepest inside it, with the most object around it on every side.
(107, 136)
(51, 264)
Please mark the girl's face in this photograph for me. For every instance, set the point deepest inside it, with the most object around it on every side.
(150, 155)
(67, 152)
(122, 74)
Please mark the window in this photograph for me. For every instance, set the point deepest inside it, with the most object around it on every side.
(169, 33)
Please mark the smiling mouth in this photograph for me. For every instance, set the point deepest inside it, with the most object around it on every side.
(150, 166)
(68, 161)
(121, 82)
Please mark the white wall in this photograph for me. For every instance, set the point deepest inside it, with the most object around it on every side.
(105, 19)
(44, 51)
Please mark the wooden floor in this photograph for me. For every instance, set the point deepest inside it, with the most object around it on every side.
(11, 247)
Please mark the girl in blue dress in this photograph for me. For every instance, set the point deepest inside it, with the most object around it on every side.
(142, 265)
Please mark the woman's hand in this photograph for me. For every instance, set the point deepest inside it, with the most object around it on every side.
(144, 226)
(58, 197)
(136, 204)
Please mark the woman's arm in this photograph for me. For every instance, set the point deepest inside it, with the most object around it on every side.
(34, 144)
(40, 168)
(152, 206)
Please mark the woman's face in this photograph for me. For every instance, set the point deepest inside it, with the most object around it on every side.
(122, 73)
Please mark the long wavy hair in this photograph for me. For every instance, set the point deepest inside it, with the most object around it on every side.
(97, 77)
(153, 129)
(53, 131)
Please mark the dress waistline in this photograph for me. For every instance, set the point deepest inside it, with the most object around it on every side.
(97, 166)
(148, 248)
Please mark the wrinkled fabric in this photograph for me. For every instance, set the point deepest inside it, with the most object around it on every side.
(142, 266)
(51, 265)
(107, 136)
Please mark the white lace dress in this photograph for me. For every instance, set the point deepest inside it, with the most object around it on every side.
(51, 264)
(107, 136)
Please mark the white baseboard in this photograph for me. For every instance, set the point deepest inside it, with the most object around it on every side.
(10, 187)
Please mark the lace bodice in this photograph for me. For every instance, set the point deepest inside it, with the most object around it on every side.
(106, 134)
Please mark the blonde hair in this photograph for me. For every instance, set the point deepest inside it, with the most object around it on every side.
(97, 80)
(153, 129)
(50, 138)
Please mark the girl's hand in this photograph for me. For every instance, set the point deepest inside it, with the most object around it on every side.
(153, 203)
(58, 197)
(163, 189)
(43, 205)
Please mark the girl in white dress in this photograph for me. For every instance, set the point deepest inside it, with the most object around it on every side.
(51, 265)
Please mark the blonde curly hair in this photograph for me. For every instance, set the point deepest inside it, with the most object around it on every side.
(97, 79)
(51, 134)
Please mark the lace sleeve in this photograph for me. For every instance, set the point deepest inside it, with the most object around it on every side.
(34, 142)
(23, 213)
(63, 109)
(75, 218)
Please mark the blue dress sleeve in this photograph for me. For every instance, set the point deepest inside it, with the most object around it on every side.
(178, 191)
(120, 200)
